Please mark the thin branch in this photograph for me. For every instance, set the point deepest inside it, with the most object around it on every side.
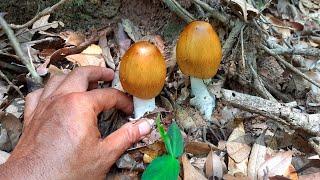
(12, 67)
(179, 10)
(306, 52)
(290, 66)
(16, 46)
(233, 36)
(39, 15)
(3, 76)
(274, 110)
(224, 18)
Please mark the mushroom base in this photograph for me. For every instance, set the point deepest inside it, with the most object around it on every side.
(202, 100)
(141, 106)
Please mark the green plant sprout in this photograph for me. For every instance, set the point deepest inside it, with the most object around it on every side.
(166, 166)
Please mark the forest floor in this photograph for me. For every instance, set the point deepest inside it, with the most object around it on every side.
(266, 121)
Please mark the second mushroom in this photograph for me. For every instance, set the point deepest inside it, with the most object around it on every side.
(198, 55)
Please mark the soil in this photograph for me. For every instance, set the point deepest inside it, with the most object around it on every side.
(150, 16)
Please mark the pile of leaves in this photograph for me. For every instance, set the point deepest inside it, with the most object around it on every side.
(266, 121)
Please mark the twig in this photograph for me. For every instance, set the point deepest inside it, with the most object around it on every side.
(39, 15)
(274, 110)
(12, 67)
(179, 10)
(306, 52)
(224, 18)
(16, 46)
(233, 36)
(290, 66)
(3, 76)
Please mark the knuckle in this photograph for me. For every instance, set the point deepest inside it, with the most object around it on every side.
(131, 134)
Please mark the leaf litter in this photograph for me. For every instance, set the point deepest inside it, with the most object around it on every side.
(241, 143)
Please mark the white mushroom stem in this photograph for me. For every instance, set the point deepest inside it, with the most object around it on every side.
(202, 100)
(141, 106)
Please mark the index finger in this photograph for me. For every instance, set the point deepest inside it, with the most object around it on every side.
(80, 78)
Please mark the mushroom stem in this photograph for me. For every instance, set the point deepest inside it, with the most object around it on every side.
(202, 100)
(141, 106)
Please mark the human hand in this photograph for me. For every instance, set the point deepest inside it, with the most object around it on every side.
(61, 140)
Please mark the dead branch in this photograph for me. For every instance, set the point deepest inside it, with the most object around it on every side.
(179, 10)
(233, 36)
(3, 76)
(274, 110)
(39, 15)
(12, 67)
(306, 52)
(290, 66)
(16, 46)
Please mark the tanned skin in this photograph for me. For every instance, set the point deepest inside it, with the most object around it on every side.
(60, 138)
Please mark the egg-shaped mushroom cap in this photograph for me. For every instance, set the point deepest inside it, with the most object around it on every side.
(198, 50)
(142, 70)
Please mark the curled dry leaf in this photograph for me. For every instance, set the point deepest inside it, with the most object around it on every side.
(247, 10)
(42, 24)
(281, 26)
(237, 144)
(103, 43)
(291, 173)
(214, 169)
(276, 165)
(72, 39)
(13, 127)
(189, 172)
(131, 30)
(257, 156)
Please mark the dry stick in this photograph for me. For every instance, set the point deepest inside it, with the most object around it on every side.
(290, 66)
(224, 18)
(233, 36)
(39, 15)
(16, 46)
(12, 67)
(274, 110)
(307, 52)
(179, 10)
(3, 76)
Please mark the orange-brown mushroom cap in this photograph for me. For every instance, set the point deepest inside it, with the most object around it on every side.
(142, 70)
(198, 50)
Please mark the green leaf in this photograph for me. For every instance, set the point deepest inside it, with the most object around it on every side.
(165, 138)
(161, 168)
(176, 140)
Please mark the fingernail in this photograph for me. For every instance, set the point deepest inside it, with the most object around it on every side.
(144, 128)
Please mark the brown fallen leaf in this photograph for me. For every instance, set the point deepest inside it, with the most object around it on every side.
(214, 169)
(72, 39)
(237, 144)
(13, 127)
(281, 26)
(42, 24)
(189, 172)
(197, 148)
(276, 165)
(247, 10)
(257, 156)
(91, 56)
(230, 177)
(291, 173)
(313, 176)
(241, 167)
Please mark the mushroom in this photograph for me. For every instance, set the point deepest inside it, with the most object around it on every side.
(142, 74)
(198, 54)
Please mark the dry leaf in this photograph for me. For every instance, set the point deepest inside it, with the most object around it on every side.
(42, 24)
(230, 177)
(184, 120)
(152, 151)
(72, 39)
(234, 167)
(103, 43)
(291, 173)
(237, 144)
(313, 176)
(197, 148)
(131, 30)
(13, 127)
(91, 56)
(257, 156)
(214, 168)
(246, 9)
(189, 172)
(281, 26)
(276, 165)
(122, 39)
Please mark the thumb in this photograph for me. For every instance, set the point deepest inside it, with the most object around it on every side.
(119, 141)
